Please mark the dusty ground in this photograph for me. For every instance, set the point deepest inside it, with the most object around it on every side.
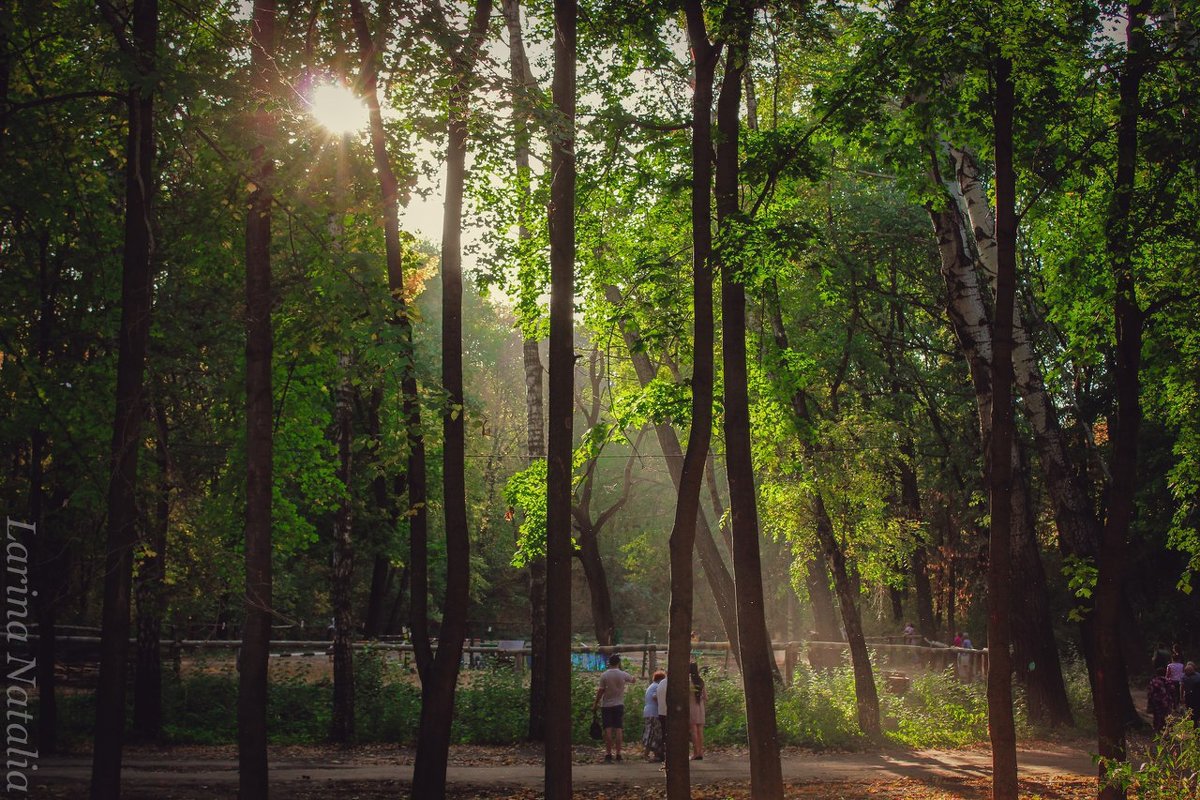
(1048, 771)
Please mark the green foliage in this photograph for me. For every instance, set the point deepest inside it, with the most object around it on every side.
(492, 707)
(1168, 770)
(526, 490)
(938, 710)
(1081, 574)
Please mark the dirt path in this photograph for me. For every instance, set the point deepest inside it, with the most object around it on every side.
(345, 774)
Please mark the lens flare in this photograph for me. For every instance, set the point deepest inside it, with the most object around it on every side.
(337, 109)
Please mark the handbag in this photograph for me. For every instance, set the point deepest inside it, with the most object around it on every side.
(595, 731)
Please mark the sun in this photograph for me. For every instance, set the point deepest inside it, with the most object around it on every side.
(337, 109)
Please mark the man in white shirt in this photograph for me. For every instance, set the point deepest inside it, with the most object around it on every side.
(610, 699)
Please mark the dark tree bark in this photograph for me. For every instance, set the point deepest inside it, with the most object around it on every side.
(382, 576)
(559, 408)
(151, 598)
(341, 723)
(439, 675)
(866, 695)
(910, 498)
(133, 336)
(1001, 728)
(1129, 320)
(417, 571)
(1078, 526)
(1035, 652)
(687, 508)
(588, 539)
(816, 577)
(716, 573)
(256, 630)
(523, 89)
(765, 773)
(1034, 637)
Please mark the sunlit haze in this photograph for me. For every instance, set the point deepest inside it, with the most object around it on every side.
(337, 109)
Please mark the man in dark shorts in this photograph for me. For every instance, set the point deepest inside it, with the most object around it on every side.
(610, 699)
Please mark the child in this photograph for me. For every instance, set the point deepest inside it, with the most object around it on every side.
(1159, 698)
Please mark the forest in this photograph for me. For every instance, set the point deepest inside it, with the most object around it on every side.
(593, 325)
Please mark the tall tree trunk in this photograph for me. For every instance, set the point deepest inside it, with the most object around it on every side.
(593, 569)
(440, 679)
(911, 499)
(865, 693)
(341, 723)
(816, 577)
(147, 687)
(1129, 320)
(417, 511)
(382, 575)
(1001, 727)
(136, 291)
(256, 630)
(716, 573)
(969, 318)
(766, 776)
(1035, 654)
(559, 409)
(681, 545)
(523, 89)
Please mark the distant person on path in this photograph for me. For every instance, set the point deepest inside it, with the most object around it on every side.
(1175, 671)
(610, 699)
(1191, 692)
(1159, 699)
(964, 659)
(652, 733)
(697, 702)
(660, 694)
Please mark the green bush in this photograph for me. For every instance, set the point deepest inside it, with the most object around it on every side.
(1171, 766)
(818, 710)
(937, 711)
(492, 708)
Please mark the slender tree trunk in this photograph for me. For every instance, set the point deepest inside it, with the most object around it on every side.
(559, 408)
(866, 695)
(523, 88)
(681, 545)
(439, 683)
(341, 724)
(716, 573)
(765, 773)
(1001, 727)
(911, 499)
(136, 292)
(1034, 635)
(417, 571)
(381, 584)
(816, 577)
(147, 688)
(1035, 654)
(1129, 320)
(593, 569)
(256, 630)
(1075, 517)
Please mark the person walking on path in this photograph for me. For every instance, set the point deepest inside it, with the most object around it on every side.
(610, 699)
(698, 700)
(1175, 674)
(1191, 692)
(652, 737)
(1159, 699)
